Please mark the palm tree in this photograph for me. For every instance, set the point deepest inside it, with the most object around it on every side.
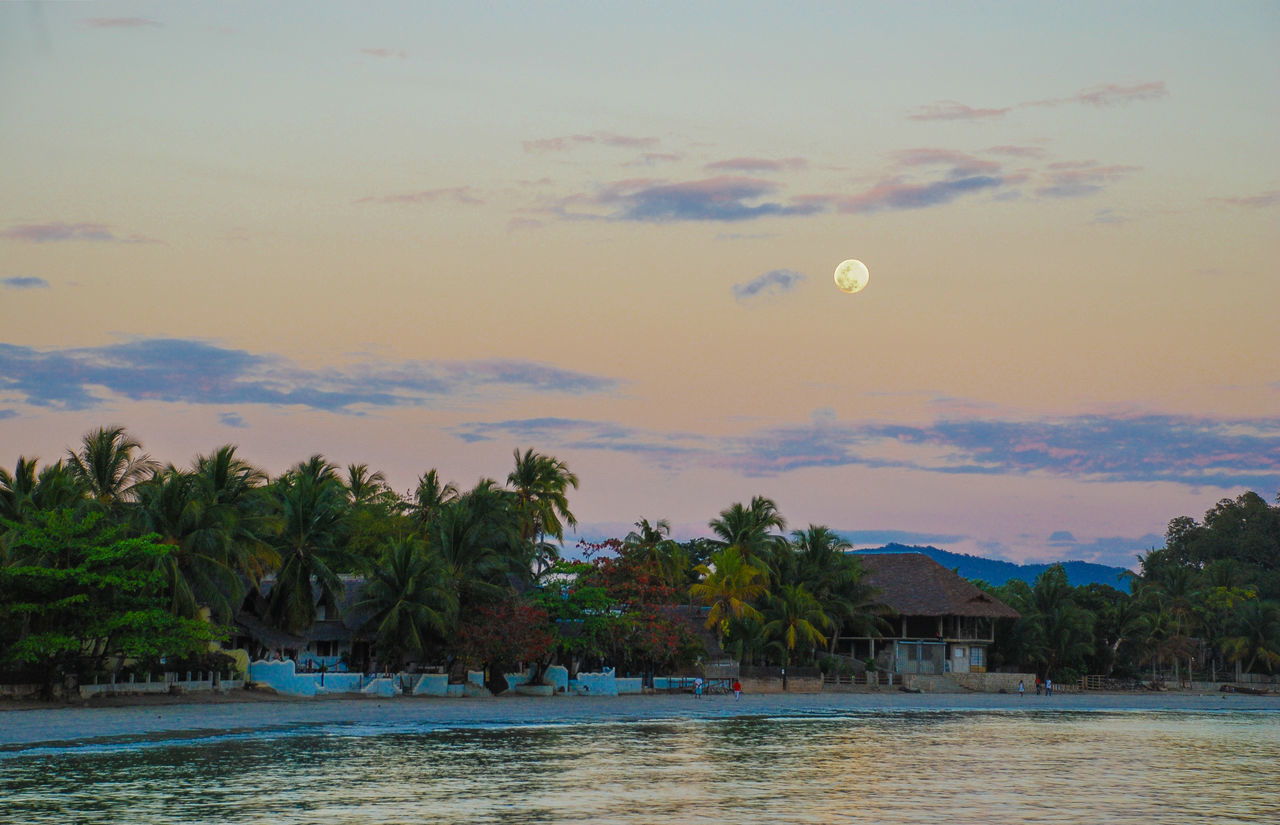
(729, 584)
(108, 465)
(312, 503)
(822, 565)
(238, 491)
(652, 543)
(795, 618)
(477, 538)
(749, 529)
(430, 496)
(364, 487)
(407, 600)
(541, 485)
(1256, 635)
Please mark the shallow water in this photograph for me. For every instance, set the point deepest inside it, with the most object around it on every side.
(919, 766)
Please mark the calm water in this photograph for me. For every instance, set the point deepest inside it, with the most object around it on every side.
(927, 767)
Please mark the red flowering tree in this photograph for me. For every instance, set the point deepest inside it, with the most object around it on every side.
(499, 636)
(650, 635)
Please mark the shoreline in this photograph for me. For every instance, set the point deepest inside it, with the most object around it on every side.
(133, 719)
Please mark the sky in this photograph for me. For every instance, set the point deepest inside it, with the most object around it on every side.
(425, 235)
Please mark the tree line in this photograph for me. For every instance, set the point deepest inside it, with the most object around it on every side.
(108, 557)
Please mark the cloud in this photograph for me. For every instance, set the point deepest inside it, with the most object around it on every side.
(897, 195)
(8, 414)
(23, 282)
(960, 164)
(714, 199)
(56, 231)
(754, 165)
(1261, 201)
(1143, 449)
(179, 370)
(385, 53)
(1062, 538)
(1108, 94)
(1073, 179)
(120, 23)
(455, 194)
(566, 142)
(654, 158)
(951, 110)
(1034, 152)
(231, 419)
(775, 282)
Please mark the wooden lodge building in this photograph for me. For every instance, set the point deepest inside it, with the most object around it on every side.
(938, 622)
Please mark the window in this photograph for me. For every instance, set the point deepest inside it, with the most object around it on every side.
(977, 657)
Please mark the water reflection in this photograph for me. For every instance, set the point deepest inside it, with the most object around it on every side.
(917, 767)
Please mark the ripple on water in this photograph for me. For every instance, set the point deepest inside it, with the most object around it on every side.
(962, 767)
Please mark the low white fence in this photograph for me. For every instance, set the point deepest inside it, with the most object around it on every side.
(167, 683)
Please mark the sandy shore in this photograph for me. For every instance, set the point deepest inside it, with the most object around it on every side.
(169, 717)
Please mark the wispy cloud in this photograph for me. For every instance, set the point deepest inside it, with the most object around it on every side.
(384, 53)
(758, 165)
(722, 198)
(951, 110)
(57, 231)
(1107, 94)
(231, 419)
(120, 23)
(24, 282)
(1262, 201)
(775, 282)
(1073, 179)
(454, 194)
(900, 195)
(566, 142)
(1152, 448)
(198, 372)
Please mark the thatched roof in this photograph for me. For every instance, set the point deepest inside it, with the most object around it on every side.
(912, 584)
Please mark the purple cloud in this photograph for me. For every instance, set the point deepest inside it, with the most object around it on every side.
(1153, 448)
(196, 372)
(23, 282)
(951, 110)
(713, 199)
(898, 195)
(456, 194)
(1073, 179)
(1262, 201)
(566, 142)
(755, 165)
(56, 231)
(776, 282)
(385, 53)
(1108, 94)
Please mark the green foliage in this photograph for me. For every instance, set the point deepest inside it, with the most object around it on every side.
(86, 598)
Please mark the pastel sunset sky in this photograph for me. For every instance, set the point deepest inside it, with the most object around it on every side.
(422, 235)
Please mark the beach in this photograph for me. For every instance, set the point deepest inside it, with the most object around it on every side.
(137, 718)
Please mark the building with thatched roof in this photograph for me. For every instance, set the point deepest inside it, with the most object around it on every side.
(334, 637)
(937, 622)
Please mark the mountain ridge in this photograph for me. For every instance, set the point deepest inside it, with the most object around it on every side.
(997, 572)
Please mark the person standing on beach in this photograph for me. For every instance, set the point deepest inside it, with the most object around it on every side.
(1020, 689)
(697, 688)
(1048, 687)
(737, 689)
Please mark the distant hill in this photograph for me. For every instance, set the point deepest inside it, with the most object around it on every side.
(996, 572)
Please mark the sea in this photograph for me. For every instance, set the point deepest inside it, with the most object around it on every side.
(930, 766)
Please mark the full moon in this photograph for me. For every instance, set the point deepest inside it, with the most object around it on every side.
(852, 276)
